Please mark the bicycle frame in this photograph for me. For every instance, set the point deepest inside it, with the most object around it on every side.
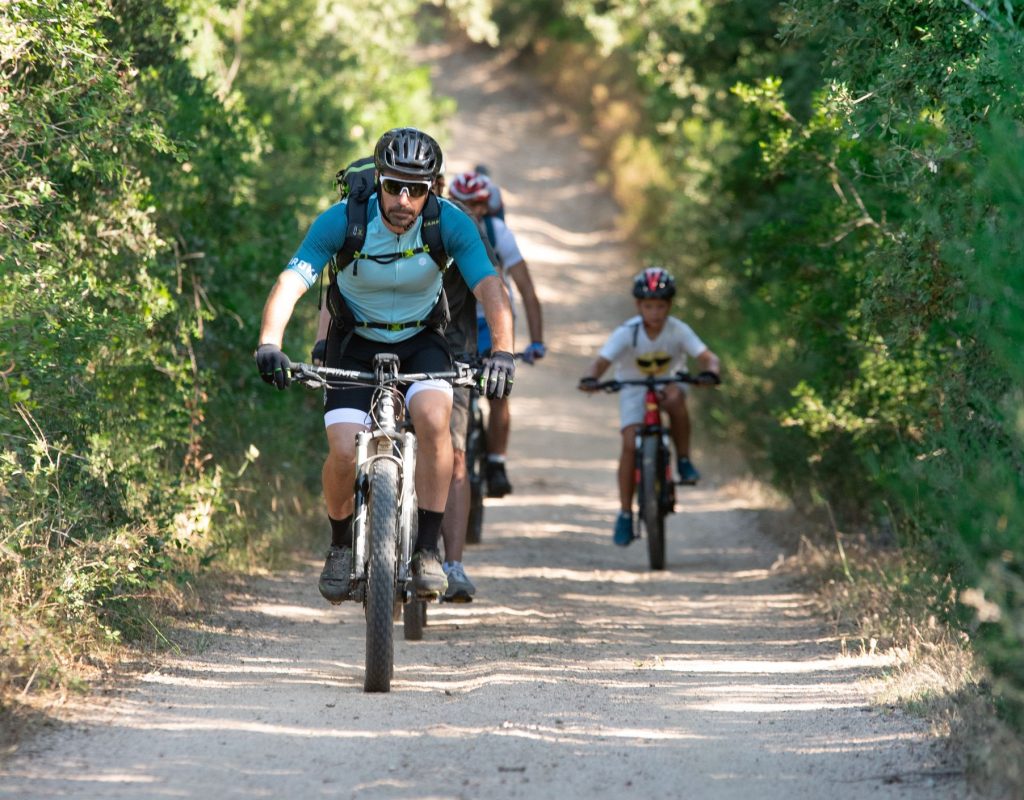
(385, 440)
(653, 426)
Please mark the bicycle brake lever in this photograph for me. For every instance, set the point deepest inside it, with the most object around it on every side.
(305, 374)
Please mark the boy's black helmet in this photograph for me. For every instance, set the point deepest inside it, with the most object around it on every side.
(409, 151)
(654, 283)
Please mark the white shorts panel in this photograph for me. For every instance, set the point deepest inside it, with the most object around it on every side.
(353, 416)
(431, 386)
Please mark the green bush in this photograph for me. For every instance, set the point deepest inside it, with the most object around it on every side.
(161, 162)
(837, 186)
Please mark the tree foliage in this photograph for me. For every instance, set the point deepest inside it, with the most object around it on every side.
(159, 163)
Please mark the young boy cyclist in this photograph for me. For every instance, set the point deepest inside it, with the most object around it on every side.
(651, 343)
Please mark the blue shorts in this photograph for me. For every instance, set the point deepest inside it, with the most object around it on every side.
(483, 337)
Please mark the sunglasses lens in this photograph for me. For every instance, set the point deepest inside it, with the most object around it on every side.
(395, 186)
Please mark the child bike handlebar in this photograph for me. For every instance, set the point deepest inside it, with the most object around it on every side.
(704, 379)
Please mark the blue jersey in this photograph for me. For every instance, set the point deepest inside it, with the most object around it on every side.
(407, 288)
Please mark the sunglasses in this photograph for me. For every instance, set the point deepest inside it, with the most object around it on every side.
(646, 362)
(396, 186)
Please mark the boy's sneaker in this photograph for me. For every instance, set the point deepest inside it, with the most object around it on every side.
(687, 472)
(497, 480)
(428, 577)
(623, 529)
(335, 580)
(460, 588)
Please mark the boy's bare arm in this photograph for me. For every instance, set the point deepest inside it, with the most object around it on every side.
(709, 362)
(594, 371)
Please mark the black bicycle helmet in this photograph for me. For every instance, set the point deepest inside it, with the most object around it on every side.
(654, 283)
(409, 151)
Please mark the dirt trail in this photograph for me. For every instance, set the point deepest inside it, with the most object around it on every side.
(578, 672)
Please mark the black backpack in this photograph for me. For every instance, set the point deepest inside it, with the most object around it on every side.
(355, 184)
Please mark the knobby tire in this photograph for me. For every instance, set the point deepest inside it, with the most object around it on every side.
(652, 473)
(382, 527)
(476, 461)
(414, 618)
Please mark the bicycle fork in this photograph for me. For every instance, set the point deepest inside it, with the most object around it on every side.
(653, 427)
(401, 448)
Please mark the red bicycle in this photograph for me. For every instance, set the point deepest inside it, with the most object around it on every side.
(655, 487)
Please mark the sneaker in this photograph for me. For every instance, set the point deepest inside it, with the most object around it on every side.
(497, 480)
(335, 580)
(623, 529)
(460, 588)
(687, 472)
(428, 578)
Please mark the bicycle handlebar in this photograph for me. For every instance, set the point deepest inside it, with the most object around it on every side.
(317, 377)
(614, 386)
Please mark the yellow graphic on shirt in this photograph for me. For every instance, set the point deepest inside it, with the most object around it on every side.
(655, 363)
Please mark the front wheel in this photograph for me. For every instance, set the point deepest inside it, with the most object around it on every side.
(382, 527)
(652, 474)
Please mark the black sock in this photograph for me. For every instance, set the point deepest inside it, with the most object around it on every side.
(429, 529)
(341, 531)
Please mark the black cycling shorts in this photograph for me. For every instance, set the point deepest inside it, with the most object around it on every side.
(427, 351)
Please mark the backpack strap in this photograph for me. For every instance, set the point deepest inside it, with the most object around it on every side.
(355, 232)
(355, 236)
(636, 332)
(492, 234)
(430, 232)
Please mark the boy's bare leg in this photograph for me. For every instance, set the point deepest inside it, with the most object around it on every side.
(627, 468)
(674, 403)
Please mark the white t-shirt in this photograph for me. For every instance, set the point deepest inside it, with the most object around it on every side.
(504, 243)
(635, 356)
(507, 250)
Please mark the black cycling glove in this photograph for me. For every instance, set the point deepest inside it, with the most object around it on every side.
(497, 375)
(319, 352)
(274, 365)
(708, 378)
(588, 384)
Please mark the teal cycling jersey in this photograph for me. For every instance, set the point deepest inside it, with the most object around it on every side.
(404, 289)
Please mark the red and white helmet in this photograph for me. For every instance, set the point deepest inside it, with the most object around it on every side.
(654, 283)
(470, 187)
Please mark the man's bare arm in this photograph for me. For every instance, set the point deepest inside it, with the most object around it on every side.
(493, 296)
(279, 307)
(524, 283)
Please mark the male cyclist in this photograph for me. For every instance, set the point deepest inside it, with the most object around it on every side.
(651, 343)
(476, 190)
(392, 301)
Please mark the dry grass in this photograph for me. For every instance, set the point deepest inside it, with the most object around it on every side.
(884, 599)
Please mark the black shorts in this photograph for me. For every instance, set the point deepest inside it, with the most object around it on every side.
(427, 351)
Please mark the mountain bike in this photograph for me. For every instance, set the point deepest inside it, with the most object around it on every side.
(384, 517)
(476, 461)
(655, 487)
(476, 464)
